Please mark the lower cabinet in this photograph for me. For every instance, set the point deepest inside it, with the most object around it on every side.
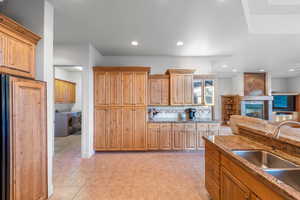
(165, 136)
(153, 136)
(225, 180)
(178, 136)
(190, 136)
(120, 128)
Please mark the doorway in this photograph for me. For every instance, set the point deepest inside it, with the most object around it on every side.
(68, 111)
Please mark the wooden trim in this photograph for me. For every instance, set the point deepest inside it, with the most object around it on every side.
(205, 76)
(57, 79)
(122, 69)
(180, 71)
(15, 27)
(159, 76)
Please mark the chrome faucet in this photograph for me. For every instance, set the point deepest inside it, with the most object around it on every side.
(276, 132)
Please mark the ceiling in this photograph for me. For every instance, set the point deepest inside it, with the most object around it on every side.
(214, 28)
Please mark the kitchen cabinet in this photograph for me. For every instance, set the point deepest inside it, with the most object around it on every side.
(190, 136)
(178, 136)
(140, 88)
(202, 130)
(226, 180)
(65, 91)
(28, 140)
(128, 88)
(159, 89)
(140, 128)
(181, 86)
(17, 47)
(232, 188)
(128, 128)
(209, 92)
(114, 128)
(154, 136)
(120, 94)
(101, 125)
(165, 136)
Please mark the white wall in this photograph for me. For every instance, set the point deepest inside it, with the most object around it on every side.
(238, 84)
(293, 84)
(75, 77)
(38, 16)
(279, 84)
(223, 87)
(71, 54)
(159, 64)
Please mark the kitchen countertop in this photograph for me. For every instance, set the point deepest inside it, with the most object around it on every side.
(227, 143)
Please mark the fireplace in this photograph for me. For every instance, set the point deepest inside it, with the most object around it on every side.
(253, 109)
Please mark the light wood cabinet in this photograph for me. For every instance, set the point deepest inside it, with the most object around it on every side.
(128, 128)
(226, 180)
(140, 88)
(181, 92)
(190, 136)
(120, 95)
(178, 136)
(153, 136)
(28, 140)
(232, 188)
(101, 120)
(114, 134)
(202, 130)
(140, 128)
(159, 89)
(165, 136)
(17, 48)
(65, 91)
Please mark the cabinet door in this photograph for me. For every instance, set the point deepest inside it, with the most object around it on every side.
(100, 86)
(153, 136)
(115, 88)
(232, 188)
(101, 121)
(140, 85)
(128, 81)
(128, 129)
(29, 140)
(165, 91)
(201, 131)
(165, 136)
(188, 89)
(190, 136)
(18, 55)
(155, 91)
(140, 128)
(177, 89)
(114, 134)
(178, 136)
(58, 97)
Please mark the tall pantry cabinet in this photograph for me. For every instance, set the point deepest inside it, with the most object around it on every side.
(23, 135)
(120, 100)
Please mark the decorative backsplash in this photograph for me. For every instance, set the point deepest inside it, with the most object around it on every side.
(178, 113)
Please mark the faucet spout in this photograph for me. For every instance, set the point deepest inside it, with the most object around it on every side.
(276, 132)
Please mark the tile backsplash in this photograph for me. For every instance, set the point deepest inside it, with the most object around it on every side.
(172, 113)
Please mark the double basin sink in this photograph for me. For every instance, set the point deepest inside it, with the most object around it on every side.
(282, 169)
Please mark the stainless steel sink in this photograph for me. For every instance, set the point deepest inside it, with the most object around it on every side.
(290, 177)
(264, 159)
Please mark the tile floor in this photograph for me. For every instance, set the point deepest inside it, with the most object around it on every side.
(127, 176)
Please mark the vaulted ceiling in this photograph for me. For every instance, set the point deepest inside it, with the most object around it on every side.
(246, 35)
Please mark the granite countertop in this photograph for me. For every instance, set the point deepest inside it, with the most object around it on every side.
(179, 121)
(227, 143)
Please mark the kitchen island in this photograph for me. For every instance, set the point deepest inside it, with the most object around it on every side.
(251, 164)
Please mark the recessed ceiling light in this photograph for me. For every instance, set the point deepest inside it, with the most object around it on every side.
(234, 70)
(134, 43)
(224, 66)
(292, 70)
(261, 70)
(179, 43)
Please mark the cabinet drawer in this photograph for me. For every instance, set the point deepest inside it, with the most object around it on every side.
(212, 168)
(211, 152)
(212, 187)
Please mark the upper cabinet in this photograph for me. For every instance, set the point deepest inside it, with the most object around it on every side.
(17, 46)
(181, 92)
(159, 89)
(204, 90)
(120, 86)
(65, 91)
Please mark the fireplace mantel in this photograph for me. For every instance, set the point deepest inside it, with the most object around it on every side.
(256, 98)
